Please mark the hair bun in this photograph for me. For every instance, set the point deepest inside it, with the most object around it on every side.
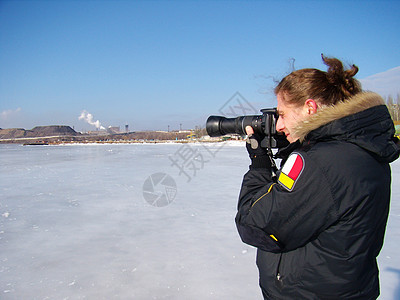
(340, 78)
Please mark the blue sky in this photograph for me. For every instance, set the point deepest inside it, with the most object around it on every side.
(151, 64)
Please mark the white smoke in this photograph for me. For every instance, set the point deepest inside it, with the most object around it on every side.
(88, 117)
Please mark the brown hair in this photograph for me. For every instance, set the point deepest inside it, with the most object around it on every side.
(326, 88)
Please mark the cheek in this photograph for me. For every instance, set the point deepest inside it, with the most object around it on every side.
(290, 121)
(294, 119)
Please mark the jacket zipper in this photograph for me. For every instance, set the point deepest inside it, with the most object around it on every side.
(278, 274)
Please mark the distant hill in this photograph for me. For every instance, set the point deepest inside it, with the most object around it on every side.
(38, 131)
(385, 83)
(52, 130)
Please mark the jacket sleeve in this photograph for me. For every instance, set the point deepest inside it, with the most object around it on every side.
(278, 217)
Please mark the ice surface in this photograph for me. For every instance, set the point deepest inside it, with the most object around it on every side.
(75, 224)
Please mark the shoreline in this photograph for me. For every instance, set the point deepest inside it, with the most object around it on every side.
(45, 142)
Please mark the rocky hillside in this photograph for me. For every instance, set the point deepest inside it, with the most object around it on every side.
(38, 131)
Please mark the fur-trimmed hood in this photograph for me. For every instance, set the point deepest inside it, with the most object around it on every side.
(362, 119)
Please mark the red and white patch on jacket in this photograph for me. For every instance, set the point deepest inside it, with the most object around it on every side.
(291, 171)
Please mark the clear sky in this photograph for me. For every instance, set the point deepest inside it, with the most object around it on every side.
(151, 64)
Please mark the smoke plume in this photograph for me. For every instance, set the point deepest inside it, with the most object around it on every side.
(88, 117)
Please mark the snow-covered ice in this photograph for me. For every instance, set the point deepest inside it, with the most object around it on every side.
(75, 223)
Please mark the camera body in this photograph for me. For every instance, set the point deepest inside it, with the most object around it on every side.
(263, 125)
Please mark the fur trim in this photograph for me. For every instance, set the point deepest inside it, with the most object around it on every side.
(327, 114)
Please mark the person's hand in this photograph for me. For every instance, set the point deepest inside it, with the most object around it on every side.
(258, 155)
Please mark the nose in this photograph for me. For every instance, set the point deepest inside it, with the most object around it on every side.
(279, 125)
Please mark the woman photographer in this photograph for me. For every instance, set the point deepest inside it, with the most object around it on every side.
(319, 226)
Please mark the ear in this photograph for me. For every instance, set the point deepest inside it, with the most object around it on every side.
(311, 106)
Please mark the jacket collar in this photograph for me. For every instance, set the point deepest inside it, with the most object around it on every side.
(325, 115)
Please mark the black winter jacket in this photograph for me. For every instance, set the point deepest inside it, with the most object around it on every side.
(320, 226)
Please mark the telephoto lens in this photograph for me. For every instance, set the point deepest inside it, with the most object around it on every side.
(218, 125)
